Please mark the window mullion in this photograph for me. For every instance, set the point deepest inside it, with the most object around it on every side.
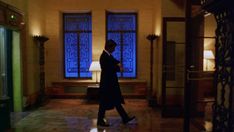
(121, 50)
(78, 53)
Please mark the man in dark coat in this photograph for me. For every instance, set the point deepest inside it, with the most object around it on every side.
(109, 91)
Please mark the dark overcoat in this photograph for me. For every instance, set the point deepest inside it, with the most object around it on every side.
(109, 91)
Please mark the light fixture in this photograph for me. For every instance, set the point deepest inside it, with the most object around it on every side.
(95, 67)
(208, 54)
(40, 42)
(151, 38)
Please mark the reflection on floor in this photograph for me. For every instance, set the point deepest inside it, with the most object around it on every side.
(76, 115)
(205, 122)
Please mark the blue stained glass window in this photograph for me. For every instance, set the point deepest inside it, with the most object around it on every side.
(77, 45)
(122, 28)
(77, 22)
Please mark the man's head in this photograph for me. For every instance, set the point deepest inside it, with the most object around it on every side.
(110, 45)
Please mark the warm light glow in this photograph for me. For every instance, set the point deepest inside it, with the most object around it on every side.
(208, 60)
(95, 66)
(208, 126)
(208, 54)
(36, 32)
(35, 28)
(157, 31)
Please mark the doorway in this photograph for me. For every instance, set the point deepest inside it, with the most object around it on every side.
(173, 77)
(11, 68)
(200, 74)
(197, 79)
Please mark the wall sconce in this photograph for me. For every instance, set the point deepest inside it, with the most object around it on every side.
(151, 38)
(40, 40)
(208, 55)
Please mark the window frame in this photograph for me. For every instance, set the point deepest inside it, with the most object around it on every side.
(78, 32)
(136, 36)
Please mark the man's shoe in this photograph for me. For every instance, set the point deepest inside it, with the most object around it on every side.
(130, 120)
(103, 124)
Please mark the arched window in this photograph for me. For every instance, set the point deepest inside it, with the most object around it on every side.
(77, 35)
(122, 28)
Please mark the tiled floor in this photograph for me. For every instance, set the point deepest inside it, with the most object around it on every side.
(76, 115)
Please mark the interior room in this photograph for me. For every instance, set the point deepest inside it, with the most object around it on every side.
(176, 64)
